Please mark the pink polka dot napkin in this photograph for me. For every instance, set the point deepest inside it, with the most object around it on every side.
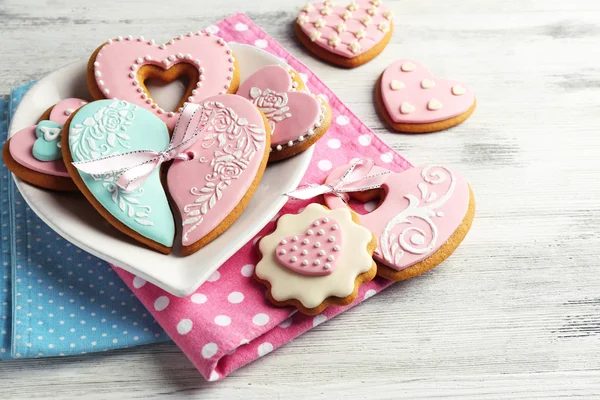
(228, 322)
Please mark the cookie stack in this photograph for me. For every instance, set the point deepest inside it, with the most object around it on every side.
(154, 173)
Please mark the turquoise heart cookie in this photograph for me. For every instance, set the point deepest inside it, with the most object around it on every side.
(110, 127)
(47, 145)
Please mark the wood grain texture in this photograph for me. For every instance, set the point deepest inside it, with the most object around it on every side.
(514, 313)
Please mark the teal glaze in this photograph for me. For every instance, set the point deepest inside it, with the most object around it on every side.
(47, 145)
(107, 127)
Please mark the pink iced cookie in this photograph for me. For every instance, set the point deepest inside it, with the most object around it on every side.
(212, 189)
(413, 100)
(348, 35)
(119, 68)
(28, 165)
(297, 119)
(316, 258)
(423, 215)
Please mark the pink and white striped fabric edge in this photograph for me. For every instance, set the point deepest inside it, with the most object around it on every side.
(228, 322)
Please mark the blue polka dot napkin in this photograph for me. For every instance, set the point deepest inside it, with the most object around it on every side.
(57, 299)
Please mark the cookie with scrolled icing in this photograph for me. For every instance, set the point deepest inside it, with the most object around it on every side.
(297, 118)
(34, 155)
(412, 100)
(317, 258)
(423, 215)
(119, 69)
(347, 35)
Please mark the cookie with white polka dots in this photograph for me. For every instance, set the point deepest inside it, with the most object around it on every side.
(317, 258)
(120, 67)
(297, 118)
(412, 100)
(346, 35)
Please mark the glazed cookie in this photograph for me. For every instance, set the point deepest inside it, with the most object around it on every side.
(412, 100)
(315, 259)
(297, 119)
(423, 215)
(34, 155)
(120, 67)
(346, 35)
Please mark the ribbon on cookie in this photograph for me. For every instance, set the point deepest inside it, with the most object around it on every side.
(356, 179)
(135, 167)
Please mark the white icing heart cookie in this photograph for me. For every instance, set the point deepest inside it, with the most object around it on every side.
(347, 35)
(412, 100)
(316, 258)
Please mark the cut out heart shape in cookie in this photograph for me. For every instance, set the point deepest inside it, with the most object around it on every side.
(296, 119)
(348, 35)
(423, 217)
(413, 100)
(34, 154)
(109, 128)
(227, 162)
(119, 68)
(315, 252)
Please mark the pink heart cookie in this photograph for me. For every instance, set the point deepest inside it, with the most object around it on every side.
(315, 252)
(296, 119)
(413, 100)
(212, 189)
(119, 68)
(423, 216)
(348, 35)
(19, 156)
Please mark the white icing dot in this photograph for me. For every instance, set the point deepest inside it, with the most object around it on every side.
(161, 303)
(316, 262)
(342, 120)
(241, 27)
(321, 232)
(305, 241)
(386, 157)
(264, 348)
(408, 66)
(318, 244)
(209, 350)
(330, 258)
(235, 297)
(336, 248)
(248, 270)
(222, 320)
(327, 266)
(198, 298)
(295, 239)
(282, 251)
(138, 282)
(283, 241)
(321, 253)
(331, 238)
(260, 319)
(304, 252)
(334, 227)
(334, 143)
(440, 214)
(316, 223)
(324, 165)
(293, 259)
(305, 263)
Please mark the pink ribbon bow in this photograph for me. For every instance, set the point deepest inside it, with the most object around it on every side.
(134, 167)
(355, 179)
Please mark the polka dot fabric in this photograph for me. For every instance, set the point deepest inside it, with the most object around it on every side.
(228, 322)
(64, 301)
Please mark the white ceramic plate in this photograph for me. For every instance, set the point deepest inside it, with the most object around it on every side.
(74, 219)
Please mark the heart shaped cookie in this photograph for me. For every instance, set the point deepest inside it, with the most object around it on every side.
(110, 128)
(423, 216)
(295, 257)
(119, 68)
(315, 252)
(34, 155)
(212, 189)
(297, 119)
(412, 100)
(347, 35)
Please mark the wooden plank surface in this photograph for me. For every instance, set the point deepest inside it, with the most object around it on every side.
(514, 313)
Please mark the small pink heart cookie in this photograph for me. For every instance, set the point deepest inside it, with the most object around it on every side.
(413, 100)
(297, 119)
(347, 35)
(423, 215)
(119, 68)
(34, 153)
(316, 258)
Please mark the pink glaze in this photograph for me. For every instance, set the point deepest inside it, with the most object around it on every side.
(291, 114)
(409, 88)
(422, 208)
(117, 63)
(375, 28)
(21, 143)
(226, 159)
(315, 252)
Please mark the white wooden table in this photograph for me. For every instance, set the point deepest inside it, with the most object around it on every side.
(514, 313)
